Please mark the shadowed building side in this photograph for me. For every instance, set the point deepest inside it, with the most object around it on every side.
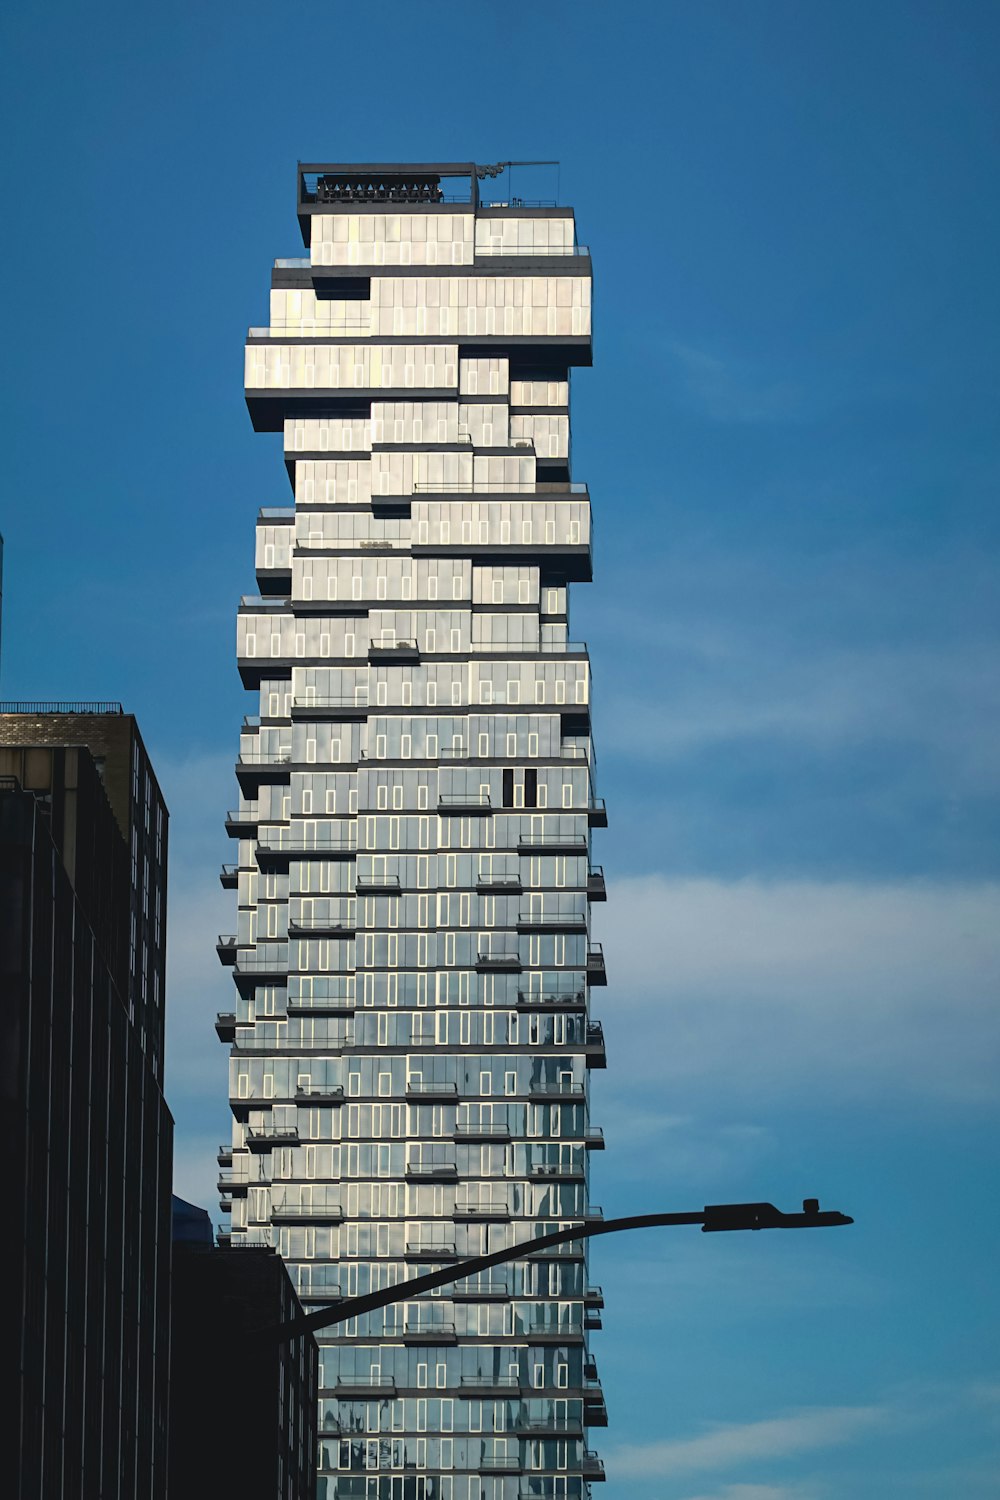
(87, 1131)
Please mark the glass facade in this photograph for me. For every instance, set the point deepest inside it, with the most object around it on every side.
(412, 1037)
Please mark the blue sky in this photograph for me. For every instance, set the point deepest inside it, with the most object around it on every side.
(790, 435)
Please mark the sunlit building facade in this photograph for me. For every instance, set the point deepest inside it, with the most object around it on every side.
(412, 1039)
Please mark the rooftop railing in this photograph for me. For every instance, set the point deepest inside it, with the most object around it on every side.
(528, 250)
(59, 706)
(318, 330)
(506, 487)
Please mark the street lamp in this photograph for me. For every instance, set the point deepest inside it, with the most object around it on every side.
(714, 1218)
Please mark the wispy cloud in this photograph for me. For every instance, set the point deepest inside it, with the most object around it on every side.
(833, 989)
(760, 1492)
(724, 1446)
(729, 389)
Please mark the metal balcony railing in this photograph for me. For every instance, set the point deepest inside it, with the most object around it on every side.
(546, 1086)
(552, 997)
(529, 250)
(333, 329)
(320, 1093)
(59, 706)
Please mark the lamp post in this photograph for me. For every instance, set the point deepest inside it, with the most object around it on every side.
(714, 1218)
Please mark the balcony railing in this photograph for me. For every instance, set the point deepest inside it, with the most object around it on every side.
(561, 919)
(464, 802)
(430, 1088)
(528, 250)
(265, 1136)
(496, 1130)
(504, 960)
(289, 842)
(320, 1093)
(333, 329)
(574, 998)
(574, 842)
(546, 1086)
(504, 487)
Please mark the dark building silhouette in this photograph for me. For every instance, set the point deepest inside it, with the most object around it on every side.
(243, 1406)
(83, 852)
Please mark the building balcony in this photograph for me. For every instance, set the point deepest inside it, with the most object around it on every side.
(540, 921)
(489, 1130)
(482, 1211)
(489, 1291)
(593, 1138)
(229, 877)
(597, 813)
(507, 961)
(319, 1094)
(321, 927)
(422, 1250)
(596, 972)
(592, 1466)
(439, 1333)
(552, 843)
(328, 1005)
(492, 1385)
(551, 999)
(429, 1088)
(393, 651)
(559, 1427)
(431, 1171)
(499, 885)
(596, 889)
(382, 885)
(553, 1088)
(334, 708)
(241, 822)
(225, 1026)
(596, 1055)
(501, 1463)
(235, 1187)
(316, 1213)
(464, 804)
(557, 1172)
(366, 1387)
(226, 948)
(251, 970)
(276, 848)
(225, 1156)
(266, 1137)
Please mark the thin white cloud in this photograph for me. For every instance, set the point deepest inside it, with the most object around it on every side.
(801, 988)
(732, 390)
(723, 1446)
(733, 688)
(760, 1492)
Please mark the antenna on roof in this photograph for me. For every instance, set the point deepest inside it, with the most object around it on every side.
(499, 166)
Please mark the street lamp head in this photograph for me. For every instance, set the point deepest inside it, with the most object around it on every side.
(726, 1216)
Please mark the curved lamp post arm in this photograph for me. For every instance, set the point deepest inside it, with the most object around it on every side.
(713, 1218)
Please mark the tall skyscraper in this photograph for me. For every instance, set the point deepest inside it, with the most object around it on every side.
(83, 851)
(413, 1035)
